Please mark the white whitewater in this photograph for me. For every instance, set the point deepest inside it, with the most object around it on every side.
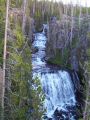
(57, 84)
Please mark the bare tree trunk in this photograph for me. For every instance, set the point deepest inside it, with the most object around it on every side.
(4, 59)
(86, 113)
(66, 25)
(71, 24)
(86, 8)
(52, 7)
(80, 15)
(24, 16)
(34, 2)
(60, 10)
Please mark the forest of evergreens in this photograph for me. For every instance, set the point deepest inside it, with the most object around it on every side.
(68, 46)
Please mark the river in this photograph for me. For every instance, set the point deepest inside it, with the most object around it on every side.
(57, 84)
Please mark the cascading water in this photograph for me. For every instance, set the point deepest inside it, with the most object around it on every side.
(57, 84)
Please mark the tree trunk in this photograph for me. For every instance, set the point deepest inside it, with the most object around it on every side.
(71, 25)
(4, 59)
(24, 16)
(80, 15)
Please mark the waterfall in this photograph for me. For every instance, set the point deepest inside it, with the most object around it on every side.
(57, 84)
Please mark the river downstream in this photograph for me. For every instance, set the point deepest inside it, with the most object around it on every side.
(57, 85)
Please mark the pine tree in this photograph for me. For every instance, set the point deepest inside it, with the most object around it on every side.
(22, 94)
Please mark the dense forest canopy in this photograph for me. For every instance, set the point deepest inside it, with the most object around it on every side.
(67, 46)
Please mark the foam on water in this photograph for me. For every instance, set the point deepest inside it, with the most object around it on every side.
(57, 86)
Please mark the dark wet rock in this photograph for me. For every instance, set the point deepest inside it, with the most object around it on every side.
(74, 63)
(34, 50)
(74, 60)
(49, 118)
(66, 115)
(45, 117)
(58, 113)
(45, 29)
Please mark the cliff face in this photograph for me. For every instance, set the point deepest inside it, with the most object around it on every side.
(64, 50)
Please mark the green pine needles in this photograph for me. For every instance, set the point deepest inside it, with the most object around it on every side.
(24, 97)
